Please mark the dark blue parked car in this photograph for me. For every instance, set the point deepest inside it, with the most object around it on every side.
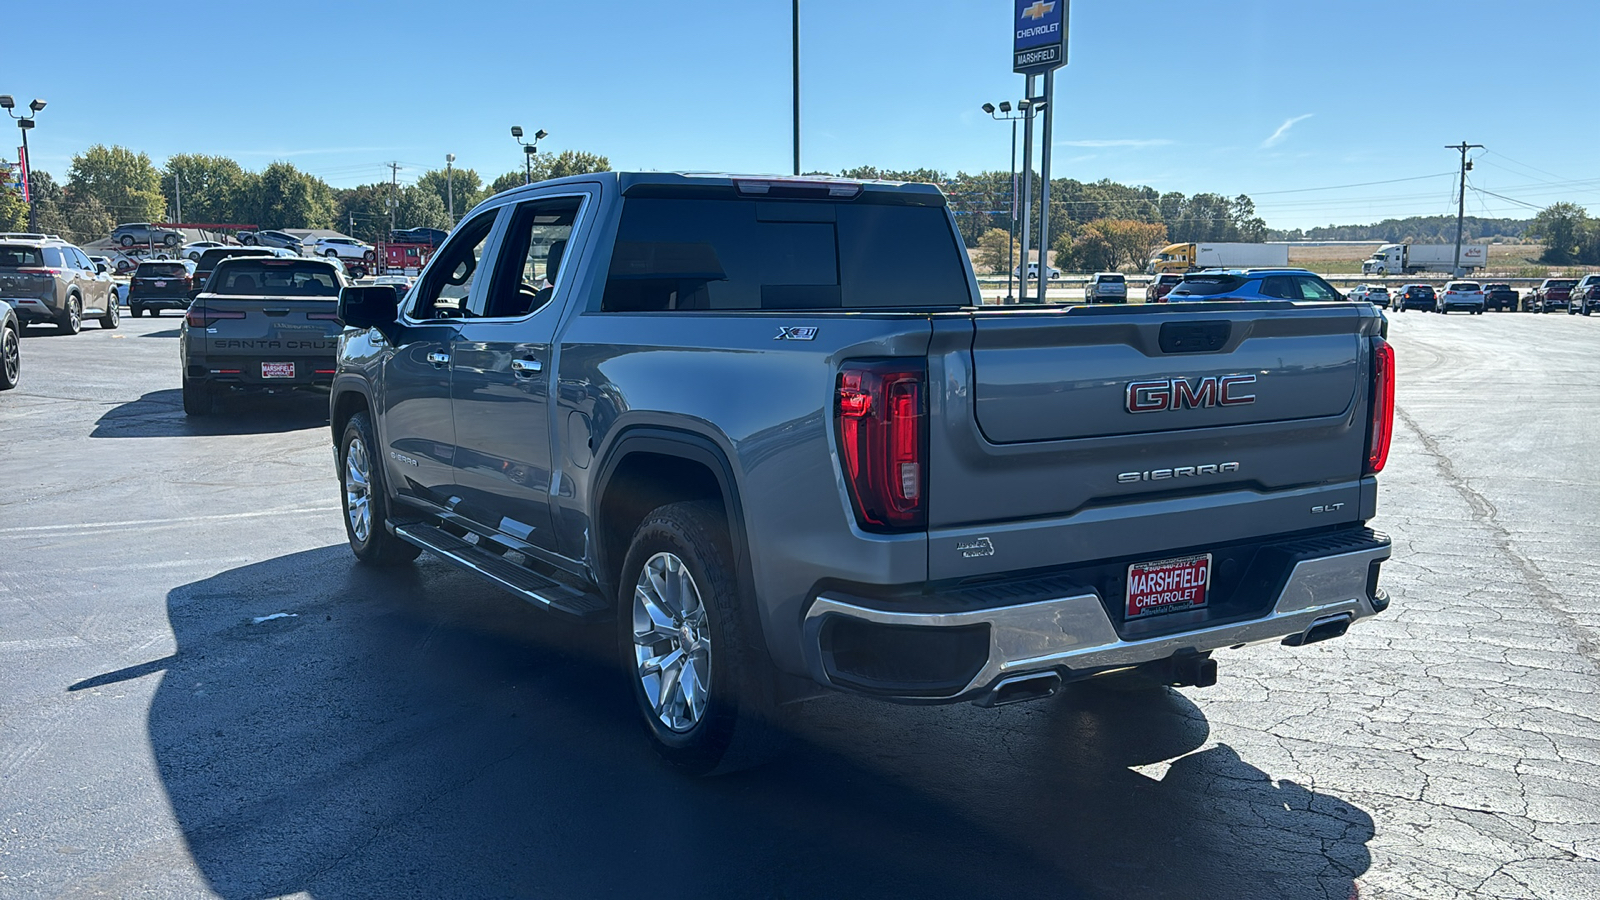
(1253, 284)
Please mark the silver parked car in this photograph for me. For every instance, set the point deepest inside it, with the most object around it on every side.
(1106, 287)
(48, 280)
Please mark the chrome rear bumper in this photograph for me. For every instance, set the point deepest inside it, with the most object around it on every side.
(1073, 634)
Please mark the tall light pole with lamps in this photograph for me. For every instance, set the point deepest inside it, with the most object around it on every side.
(25, 123)
(528, 150)
(1024, 111)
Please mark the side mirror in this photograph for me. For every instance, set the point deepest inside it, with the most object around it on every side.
(101, 268)
(375, 306)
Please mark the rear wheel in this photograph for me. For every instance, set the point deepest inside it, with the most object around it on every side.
(702, 685)
(72, 321)
(170, 240)
(10, 357)
(365, 503)
(113, 316)
(199, 398)
(136, 309)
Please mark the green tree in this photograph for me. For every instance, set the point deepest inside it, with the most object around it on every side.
(506, 182)
(363, 211)
(466, 186)
(125, 183)
(214, 188)
(282, 196)
(1564, 228)
(1127, 243)
(13, 211)
(997, 252)
(568, 162)
(420, 208)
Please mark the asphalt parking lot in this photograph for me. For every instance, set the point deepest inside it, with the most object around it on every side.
(202, 695)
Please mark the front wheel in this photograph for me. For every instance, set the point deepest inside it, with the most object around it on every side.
(10, 357)
(702, 686)
(365, 504)
(113, 316)
(170, 240)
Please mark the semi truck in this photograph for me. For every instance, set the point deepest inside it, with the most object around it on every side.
(1216, 255)
(1409, 259)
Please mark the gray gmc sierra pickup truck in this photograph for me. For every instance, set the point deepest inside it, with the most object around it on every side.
(765, 425)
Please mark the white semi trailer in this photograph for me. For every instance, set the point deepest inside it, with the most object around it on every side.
(1409, 259)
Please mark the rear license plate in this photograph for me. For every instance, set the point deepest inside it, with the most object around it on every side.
(161, 284)
(1168, 585)
(277, 370)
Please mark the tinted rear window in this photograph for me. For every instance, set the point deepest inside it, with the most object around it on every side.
(1465, 286)
(1112, 279)
(156, 269)
(15, 255)
(1565, 284)
(277, 277)
(727, 253)
(1208, 285)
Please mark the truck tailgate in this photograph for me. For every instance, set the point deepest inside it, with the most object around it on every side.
(1104, 432)
(254, 330)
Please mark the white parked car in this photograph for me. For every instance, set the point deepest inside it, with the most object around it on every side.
(1033, 271)
(343, 248)
(193, 251)
(1467, 295)
(1375, 294)
(1106, 287)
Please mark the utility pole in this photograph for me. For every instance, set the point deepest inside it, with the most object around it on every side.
(394, 192)
(1044, 181)
(1461, 203)
(795, 31)
(177, 193)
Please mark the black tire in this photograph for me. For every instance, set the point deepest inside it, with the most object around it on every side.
(72, 321)
(113, 316)
(1585, 309)
(136, 309)
(199, 398)
(377, 547)
(10, 357)
(126, 241)
(369, 256)
(170, 240)
(737, 728)
(330, 253)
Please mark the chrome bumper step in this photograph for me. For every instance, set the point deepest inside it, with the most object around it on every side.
(520, 580)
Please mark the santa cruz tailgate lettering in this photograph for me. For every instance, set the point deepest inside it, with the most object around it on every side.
(233, 344)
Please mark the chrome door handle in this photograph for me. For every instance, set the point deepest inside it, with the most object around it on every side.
(527, 366)
(439, 360)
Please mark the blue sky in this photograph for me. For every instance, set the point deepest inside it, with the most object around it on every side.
(1276, 99)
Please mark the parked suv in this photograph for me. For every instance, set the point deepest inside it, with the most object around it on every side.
(1585, 296)
(1254, 284)
(1161, 286)
(342, 247)
(1414, 296)
(1376, 294)
(135, 233)
(272, 239)
(160, 284)
(48, 280)
(209, 259)
(1106, 287)
(1460, 295)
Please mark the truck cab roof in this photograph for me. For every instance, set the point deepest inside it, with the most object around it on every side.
(786, 187)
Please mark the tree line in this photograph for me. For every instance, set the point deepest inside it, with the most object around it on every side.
(1412, 230)
(106, 186)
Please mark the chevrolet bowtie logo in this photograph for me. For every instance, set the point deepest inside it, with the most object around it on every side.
(1038, 10)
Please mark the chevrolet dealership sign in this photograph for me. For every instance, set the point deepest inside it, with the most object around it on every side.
(1040, 43)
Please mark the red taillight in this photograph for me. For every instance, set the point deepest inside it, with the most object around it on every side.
(883, 441)
(200, 317)
(1382, 428)
(37, 270)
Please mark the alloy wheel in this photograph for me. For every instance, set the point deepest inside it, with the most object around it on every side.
(358, 489)
(10, 354)
(671, 642)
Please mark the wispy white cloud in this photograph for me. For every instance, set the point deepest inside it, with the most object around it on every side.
(1283, 131)
(1116, 142)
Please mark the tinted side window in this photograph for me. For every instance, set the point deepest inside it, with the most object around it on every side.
(450, 277)
(1310, 287)
(53, 257)
(531, 256)
(728, 253)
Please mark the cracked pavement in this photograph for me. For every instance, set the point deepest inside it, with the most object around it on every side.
(417, 733)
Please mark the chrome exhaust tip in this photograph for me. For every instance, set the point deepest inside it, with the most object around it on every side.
(1321, 630)
(1021, 688)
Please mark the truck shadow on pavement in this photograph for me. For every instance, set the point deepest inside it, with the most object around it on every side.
(416, 733)
(160, 414)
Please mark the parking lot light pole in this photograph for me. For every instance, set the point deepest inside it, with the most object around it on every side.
(1011, 231)
(450, 185)
(528, 150)
(25, 124)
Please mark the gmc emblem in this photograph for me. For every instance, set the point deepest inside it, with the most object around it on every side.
(1180, 393)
